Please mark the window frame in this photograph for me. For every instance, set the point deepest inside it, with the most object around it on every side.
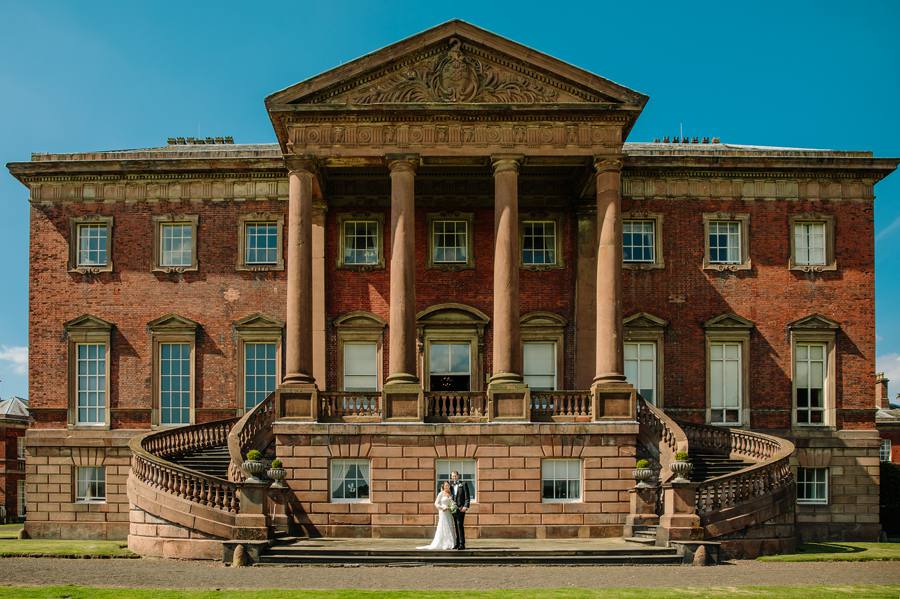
(469, 219)
(806, 501)
(360, 327)
(87, 329)
(256, 328)
(580, 497)
(75, 224)
(331, 488)
(260, 218)
(76, 471)
(743, 219)
(456, 464)
(547, 327)
(535, 217)
(885, 443)
(816, 329)
(378, 218)
(451, 323)
(174, 219)
(172, 329)
(658, 261)
(830, 260)
(643, 327)
(729, 328)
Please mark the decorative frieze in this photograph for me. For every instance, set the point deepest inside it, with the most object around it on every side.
(746, 186)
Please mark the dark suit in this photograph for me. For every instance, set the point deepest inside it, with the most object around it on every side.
(460, 493)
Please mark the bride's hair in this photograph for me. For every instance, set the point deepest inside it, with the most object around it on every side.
(445, 483)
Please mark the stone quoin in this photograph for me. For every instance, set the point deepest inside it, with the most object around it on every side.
(452, 259)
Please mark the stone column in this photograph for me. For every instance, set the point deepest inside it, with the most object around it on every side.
(297, 396)
(507, 350)
(298, 351)
(610, 361)
(613, 397)
(402, 398)
(402, 361)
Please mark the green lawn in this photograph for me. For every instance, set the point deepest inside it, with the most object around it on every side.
(63, 548)
(10, 531)
(840, 552)
(780, 592)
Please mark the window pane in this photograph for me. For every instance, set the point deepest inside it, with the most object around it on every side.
(91, 383)
(640, 367)
(450, 241)
(561, 480)
(725, 242)
(175, 378)
(177, 244)
(349, 480)
(259, 372)
(92, 244)
(261, 243)
(639, 240)
(539, 242)
(540, 365)
(360, 367)
(361, 245)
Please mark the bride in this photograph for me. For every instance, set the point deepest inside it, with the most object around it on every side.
(444, 536)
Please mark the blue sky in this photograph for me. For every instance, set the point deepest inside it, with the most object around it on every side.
(108, 75)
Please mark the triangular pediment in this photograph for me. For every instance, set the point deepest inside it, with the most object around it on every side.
(643, 320)
(456, 63)
(728, 321)
(88, 322)
(814, 321)
(258, 320)
(173, 322)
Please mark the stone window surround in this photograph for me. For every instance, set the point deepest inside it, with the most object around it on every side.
(251, 218)
(75, 223)
(647, 328)
(452, 323)
(86, 329)
(730, 328)
(360, 327)
(256, 328)
(816, 329)
(744, 220)
(469, 218)
(158, 221)
(658, 260)
(557, 219)
(378, 217)
(810, 217)
(547, 327)
(172, 328)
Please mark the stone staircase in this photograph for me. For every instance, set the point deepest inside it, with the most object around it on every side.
(710, 465)
(212, 461)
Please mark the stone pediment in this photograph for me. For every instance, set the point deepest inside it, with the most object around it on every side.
(728, 321)
(451, 314)
(643, 320)
(88, 322)
(258, 321)
(814, 321)
(360, 319)
(173, 323)
(456, 63)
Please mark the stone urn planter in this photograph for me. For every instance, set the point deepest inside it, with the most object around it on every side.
(253, 466)
(643, 474)
(681, 468)
(277, 473)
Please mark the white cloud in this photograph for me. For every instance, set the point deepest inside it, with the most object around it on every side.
(895, 224)
(17, 356)
(889, 364)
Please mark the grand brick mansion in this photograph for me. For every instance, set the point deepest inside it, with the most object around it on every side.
(452, 259)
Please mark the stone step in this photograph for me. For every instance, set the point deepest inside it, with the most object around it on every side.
(638, 555)
(644, 540)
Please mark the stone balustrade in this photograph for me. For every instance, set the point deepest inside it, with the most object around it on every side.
(561, 406)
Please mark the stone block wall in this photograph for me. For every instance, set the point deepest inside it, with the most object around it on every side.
(151, 536)
(53, 456)
(508, 474)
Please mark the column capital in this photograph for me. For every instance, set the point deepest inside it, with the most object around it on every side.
(302, 165)
(604, 164)
(402, 162)
(506, 162)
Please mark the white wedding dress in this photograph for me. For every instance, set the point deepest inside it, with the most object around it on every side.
(444, 536)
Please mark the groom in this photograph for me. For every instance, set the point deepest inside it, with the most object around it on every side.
(460, 492)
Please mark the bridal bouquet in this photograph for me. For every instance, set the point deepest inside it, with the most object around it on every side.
(452, 507)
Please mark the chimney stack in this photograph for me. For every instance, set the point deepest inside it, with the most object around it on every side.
(882, 399)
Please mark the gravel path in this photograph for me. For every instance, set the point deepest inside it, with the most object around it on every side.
(207, 575)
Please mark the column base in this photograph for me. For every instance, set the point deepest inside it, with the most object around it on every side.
(613, 400)
(509, 401)
(403, 402)
(297, 402)
(403, 378)
(642, 510)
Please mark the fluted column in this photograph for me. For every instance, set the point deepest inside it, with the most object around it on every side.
(298, 363)
(610, 362)
(402, 361)
(507, 351)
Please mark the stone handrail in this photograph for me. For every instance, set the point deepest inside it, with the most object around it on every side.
(556, 405)
(337, 405)
(660, 431)
(770, 473)
(150, 466)
(252, 431)
(455, 404)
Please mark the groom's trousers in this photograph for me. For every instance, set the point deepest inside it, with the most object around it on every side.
(459, 519)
